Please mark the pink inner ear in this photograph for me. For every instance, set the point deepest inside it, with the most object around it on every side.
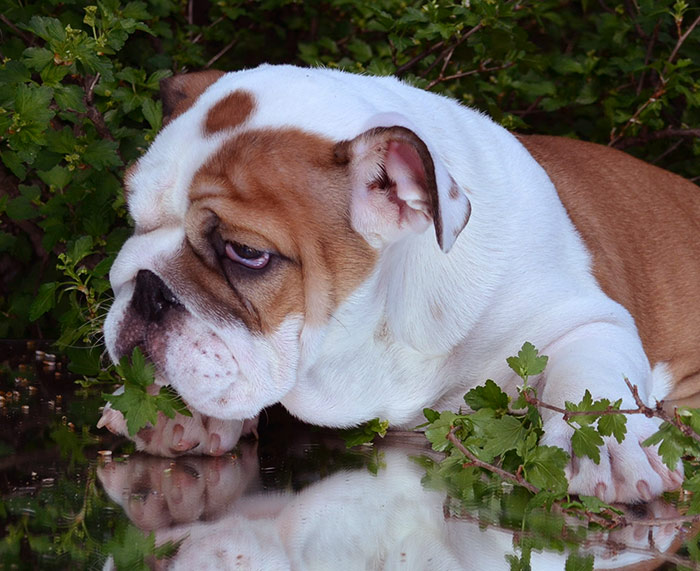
(405, 157)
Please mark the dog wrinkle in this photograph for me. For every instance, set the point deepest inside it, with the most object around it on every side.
(284, 190)
(230, 112)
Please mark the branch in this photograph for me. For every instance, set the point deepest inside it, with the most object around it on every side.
(473, 460)
(667, 133)
(26, 38)
(221, 52)
(480, 69)
(568, 414)
(682, 39)
(409, 64)
(659, 412)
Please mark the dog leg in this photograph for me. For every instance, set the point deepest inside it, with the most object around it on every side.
(599, 357)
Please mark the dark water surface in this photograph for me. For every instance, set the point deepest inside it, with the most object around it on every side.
(74, 497)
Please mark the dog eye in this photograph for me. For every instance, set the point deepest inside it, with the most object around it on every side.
(247, 256)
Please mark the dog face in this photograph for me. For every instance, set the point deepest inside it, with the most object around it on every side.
(251, 231)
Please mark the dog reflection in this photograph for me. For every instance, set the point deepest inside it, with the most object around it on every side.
(353, 519)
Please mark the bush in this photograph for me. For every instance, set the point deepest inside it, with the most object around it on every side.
(79, 85)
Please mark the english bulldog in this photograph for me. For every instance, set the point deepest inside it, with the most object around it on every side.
(353, 247)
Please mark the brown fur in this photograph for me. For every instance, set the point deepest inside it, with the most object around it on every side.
(179, 92)
(284, 191)
(229, 112)
(642, 226)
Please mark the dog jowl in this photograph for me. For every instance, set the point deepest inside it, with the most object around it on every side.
(352, 248)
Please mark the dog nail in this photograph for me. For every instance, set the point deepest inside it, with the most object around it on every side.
(644, 490)
(214, 444)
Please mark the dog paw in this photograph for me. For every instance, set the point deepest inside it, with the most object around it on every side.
(627, 473)
(158, 493)
(197, 435)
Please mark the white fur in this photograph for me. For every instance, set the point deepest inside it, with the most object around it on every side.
(425, 326)
(352, 519)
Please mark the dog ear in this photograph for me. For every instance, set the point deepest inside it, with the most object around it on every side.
(179, 92)
(400, 187)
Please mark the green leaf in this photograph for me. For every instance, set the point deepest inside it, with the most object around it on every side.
(44, 300)
(131, 549)
(21, 208)
(138, 407)
(437, 432)
(586, 442)
(596, 505)
(672, 444)
(37, 58)
(613, 424)
(170, 403)
(84, 360)
(33, 105)
(528, 363)
(49, 29)
(430, 414)
(545, 468)
(58, 177)
(101, 154)
(136, 370)
(69, 97)
(579, 562)
(153, 113)
(489, 395)
(78, 249)
(14, 162)
(503, 434)
(693, 485)
(365, 433)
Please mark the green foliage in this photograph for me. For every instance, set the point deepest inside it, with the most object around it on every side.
(79, 82)
(365, 433)
(136, 403)
(131, 549)
(495, 440)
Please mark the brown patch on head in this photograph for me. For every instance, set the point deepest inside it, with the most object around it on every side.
(278, 191)
(229, 112)
(454, 191)
(179, 92)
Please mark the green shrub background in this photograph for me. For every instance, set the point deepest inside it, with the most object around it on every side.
(79, 102)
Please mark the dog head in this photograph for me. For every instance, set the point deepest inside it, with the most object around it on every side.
(267, 200)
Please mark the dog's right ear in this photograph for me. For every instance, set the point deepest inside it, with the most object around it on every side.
(399, 188)
(179, 92)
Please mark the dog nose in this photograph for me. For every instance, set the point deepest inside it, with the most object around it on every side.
(152, 298)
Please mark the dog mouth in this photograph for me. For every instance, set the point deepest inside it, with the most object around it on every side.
(152, 313)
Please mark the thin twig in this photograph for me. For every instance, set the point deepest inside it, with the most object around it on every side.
(668, 133)
(468, 73)
(413, 61)
(682, 39)
(26, 38)
(221, 52)
(647, 57)
(490, 467)
(567, 414)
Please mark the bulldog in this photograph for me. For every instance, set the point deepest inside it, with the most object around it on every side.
(352, 247)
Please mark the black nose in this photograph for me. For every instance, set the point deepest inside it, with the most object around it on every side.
(152, 298)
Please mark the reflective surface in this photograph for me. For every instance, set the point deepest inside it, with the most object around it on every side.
(297, 498)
